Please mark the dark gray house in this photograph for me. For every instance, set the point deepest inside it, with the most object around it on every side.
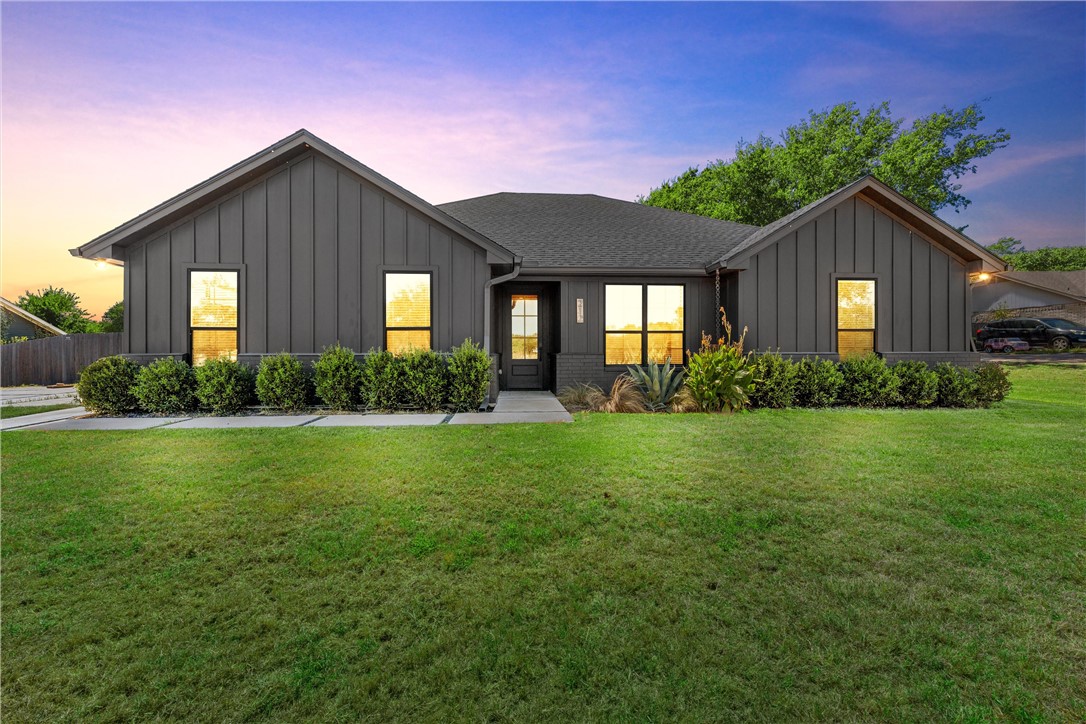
(301, 246)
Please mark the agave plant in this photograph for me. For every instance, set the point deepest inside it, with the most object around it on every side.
(658, 384)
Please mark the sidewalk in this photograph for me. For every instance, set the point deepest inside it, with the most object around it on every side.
(511, 407)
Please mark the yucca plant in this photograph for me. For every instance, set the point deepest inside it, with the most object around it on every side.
(658, 384)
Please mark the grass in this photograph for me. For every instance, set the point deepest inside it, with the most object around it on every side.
(9, 411)
(781, 565)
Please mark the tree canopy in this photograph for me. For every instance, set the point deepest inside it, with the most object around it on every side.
(769, 179)
(60, 308)
(1047, 258)
(113, 319)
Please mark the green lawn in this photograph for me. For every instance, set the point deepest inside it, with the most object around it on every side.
(780, 565)
(6, 412)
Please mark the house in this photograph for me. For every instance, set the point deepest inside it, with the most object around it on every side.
(301, 246)
(1060, 294)
(20, 323)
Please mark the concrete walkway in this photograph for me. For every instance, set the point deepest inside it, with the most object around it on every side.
(36, 395)
(511, 407)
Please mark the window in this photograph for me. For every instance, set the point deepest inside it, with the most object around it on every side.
(525, 326)
(643, 321)
(213, 315)
(855, 317)
(407, 311)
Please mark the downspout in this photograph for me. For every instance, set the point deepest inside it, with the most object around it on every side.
(487, 311)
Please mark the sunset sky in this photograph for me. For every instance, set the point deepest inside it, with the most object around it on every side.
(108, 110)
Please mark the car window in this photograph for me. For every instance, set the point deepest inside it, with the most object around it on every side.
(1059, 323)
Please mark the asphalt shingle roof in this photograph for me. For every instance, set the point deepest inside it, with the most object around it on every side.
(585, 230)
(1071, 283)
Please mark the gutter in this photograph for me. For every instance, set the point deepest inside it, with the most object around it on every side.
(487, 295)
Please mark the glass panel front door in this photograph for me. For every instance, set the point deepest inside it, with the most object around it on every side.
(525, 333)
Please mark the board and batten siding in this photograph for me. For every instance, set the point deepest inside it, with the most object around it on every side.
(313, 240)
(786, 293)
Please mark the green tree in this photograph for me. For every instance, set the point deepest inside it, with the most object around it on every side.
(60, 308)
(1006, 245)
(769, 179)
(113, 319)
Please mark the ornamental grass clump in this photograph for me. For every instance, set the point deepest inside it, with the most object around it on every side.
(623, 397)
(337, 378)
(105, 386)
(166, 386)
(224, 386)
(581, 397)
(719, 375)
(817, 382)
(468, 377)
(281, 382)
(918, 386)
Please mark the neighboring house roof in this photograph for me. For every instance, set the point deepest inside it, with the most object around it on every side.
(110, 246)
(589, 232)
(13, 308)
(873, 190)
(1070, 284)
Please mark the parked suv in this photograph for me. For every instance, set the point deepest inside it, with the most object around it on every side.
(1059, 334)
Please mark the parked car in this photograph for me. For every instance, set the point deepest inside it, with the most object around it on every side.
(1059, 334)
(1006, 344)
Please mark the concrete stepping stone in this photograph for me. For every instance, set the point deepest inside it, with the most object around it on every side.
(379, 420)
(109, 423)
(502, 418)
(219, 423)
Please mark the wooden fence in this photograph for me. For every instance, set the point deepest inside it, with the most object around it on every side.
(54, 359)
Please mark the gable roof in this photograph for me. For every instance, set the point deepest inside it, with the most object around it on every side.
(110, 245)
(1067, 283)
(870, 189)
(586, 232)
(13, 308)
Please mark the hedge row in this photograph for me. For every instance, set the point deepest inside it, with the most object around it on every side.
(869, 382)
(417, 380)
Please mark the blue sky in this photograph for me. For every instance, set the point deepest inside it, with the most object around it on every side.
(456, 100)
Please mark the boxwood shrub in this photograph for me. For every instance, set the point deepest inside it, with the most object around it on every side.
(957, 386)
(424, 379)
(105, 386)
(868, 382)
(223, 385)
(774, 381)
(382, 380)
(992, 383)
(469, 377)
(166, 386)
(918, 386)
(817, 382)
(281, 382)
(338, 378)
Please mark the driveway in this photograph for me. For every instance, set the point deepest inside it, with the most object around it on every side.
(36, 395)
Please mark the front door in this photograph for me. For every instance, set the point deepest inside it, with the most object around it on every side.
(525, 360)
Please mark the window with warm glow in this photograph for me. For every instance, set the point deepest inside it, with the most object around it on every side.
(213, 315)
(407, 311)
(643, 321)
(525, 335)
(855, 317)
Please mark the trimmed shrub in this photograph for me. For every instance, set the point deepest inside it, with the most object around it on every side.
(992, 383)
(105, 385)
(469, 377)
(338, 378)
(382, 380)
(425, 379)
(166, 386)
(281, 382)
(817, 382)
(223, 385)
(957, 386)
(918, 386)
(774, 381)
(868, 382)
